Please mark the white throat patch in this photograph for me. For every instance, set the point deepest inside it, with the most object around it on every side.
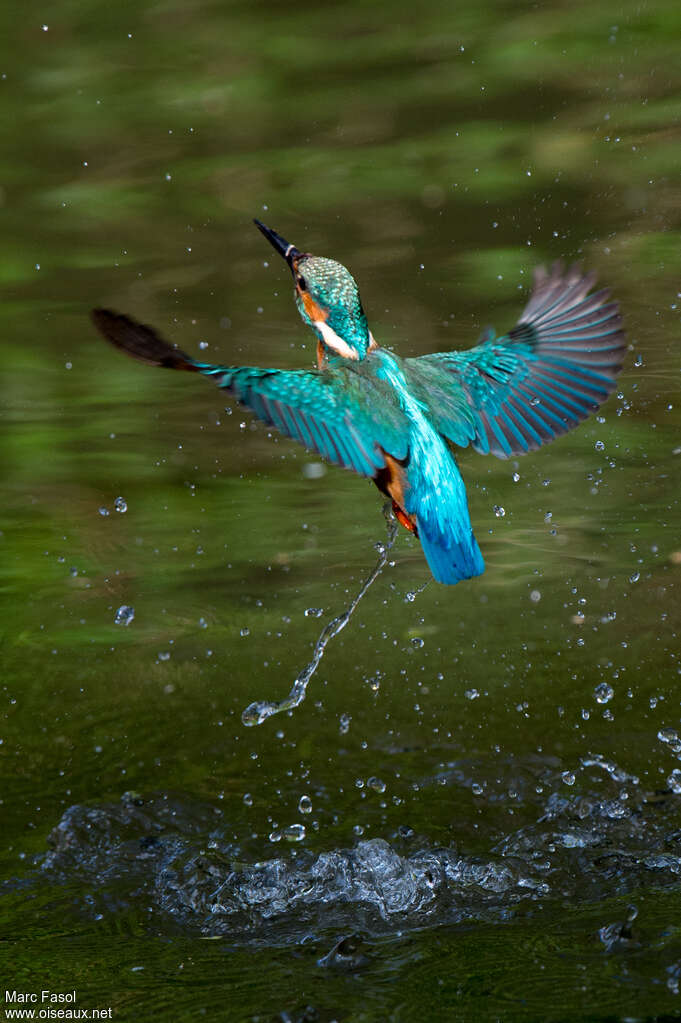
(331, 338)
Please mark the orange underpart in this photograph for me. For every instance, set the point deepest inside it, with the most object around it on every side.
(391, 481)
(403, 518)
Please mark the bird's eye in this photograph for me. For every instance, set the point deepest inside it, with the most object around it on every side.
(301, 284)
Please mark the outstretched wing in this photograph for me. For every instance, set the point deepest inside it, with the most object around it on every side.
(510, 395)
(344, 413)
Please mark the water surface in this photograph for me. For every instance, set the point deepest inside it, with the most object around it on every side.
(492, 770)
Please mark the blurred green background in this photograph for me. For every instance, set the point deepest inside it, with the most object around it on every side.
(440, 153)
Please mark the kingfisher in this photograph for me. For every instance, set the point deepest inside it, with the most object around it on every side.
(399, 420)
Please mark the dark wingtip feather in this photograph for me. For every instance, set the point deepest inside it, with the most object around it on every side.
(139, 341)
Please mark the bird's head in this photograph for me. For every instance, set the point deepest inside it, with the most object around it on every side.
(327, 298)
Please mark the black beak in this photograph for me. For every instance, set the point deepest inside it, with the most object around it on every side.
(284, 248)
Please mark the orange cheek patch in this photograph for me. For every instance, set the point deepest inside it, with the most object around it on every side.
(314, 311)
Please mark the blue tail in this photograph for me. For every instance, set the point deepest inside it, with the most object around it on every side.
(436, 496)
(452, 564)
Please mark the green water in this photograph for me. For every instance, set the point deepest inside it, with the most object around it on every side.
(440, 154)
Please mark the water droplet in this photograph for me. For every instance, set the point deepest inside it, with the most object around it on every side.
(164, 655)
(376, 784)
(471, 694)
(103, 511)
(535, 596)
(314, 470)
(417, 642)
(604, 693)
(671, 738)
(535, 401)
(248, 799)
(314, 612)
(256, 713)
(568, 777)
(599, 445)
(409, 597)
(121, 505)
(294, 832)
(305, 804)
(124, 615)
(476, 788)
(516, 477)
(674, 781)
(634, 578)
(344, 724)
(244, 631)
(499, 511)
(203, 624)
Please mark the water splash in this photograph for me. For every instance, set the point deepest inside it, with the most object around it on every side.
(259, 711)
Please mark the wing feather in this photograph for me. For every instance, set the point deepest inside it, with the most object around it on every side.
(343, 412)
(512, 394)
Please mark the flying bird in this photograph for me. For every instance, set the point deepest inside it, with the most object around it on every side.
(398, 421)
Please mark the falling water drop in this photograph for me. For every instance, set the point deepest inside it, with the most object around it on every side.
(124, 615)
(256, 713)
(674, 781)
(671, 737)
(294, 832)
